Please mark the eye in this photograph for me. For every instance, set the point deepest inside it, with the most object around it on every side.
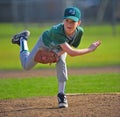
(73, 21)
(67, 20)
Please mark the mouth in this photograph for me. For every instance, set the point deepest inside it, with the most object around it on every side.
(69, 28)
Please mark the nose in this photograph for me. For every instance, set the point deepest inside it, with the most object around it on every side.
(69, 23)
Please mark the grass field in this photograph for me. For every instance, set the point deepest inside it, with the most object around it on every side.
(31, 87)
(107, 54)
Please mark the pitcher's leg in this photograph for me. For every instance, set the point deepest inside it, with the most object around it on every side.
(26, 57)
(62, 73)
(61, 68)
(62, 78)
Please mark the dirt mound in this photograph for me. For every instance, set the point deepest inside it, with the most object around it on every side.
(82, 105)
(52, 72)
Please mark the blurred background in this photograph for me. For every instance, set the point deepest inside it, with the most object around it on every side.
(42, 11)
(100, 20)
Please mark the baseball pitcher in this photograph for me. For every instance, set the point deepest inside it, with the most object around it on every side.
(53, 46)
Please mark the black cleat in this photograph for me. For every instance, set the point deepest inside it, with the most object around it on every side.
(16, 38)
(62, 100)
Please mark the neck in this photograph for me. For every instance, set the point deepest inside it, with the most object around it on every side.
(71, 34)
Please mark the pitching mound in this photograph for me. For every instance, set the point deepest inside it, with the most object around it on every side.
(82, 105)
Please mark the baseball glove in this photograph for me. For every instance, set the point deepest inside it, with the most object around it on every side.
(46, 57)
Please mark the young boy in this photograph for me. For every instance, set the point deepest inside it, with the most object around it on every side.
(60, 39)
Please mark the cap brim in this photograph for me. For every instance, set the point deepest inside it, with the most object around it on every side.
(72, 18)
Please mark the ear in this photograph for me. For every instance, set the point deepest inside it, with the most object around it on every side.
(79, 22)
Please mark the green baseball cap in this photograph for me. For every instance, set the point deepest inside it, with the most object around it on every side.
(72, 13)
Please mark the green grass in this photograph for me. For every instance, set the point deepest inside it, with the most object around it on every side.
(31, 87)
(99, 83)
(106, 55)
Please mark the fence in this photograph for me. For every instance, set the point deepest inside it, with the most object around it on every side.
(95, 11)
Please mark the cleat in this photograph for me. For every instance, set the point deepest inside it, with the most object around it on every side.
(62, 100)
(16, 38)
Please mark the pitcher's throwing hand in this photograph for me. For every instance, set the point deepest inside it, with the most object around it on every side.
(94, 45)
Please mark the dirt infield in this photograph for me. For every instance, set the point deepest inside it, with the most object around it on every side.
(80, 105)
(83, 105)
(52, 72)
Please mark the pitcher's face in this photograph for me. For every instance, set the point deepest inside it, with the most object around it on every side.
(70, 26)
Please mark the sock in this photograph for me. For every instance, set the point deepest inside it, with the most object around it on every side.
(61, 87)
(23, 45)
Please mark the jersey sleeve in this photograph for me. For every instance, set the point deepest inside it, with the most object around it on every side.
(54, 36)
(58, 36)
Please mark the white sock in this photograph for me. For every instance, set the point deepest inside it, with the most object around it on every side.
(61, 87)
(23, 45)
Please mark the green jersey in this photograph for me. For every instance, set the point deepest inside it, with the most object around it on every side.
(56, 35)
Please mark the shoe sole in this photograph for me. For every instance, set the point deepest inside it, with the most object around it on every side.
(63, 105)
(16, 37)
